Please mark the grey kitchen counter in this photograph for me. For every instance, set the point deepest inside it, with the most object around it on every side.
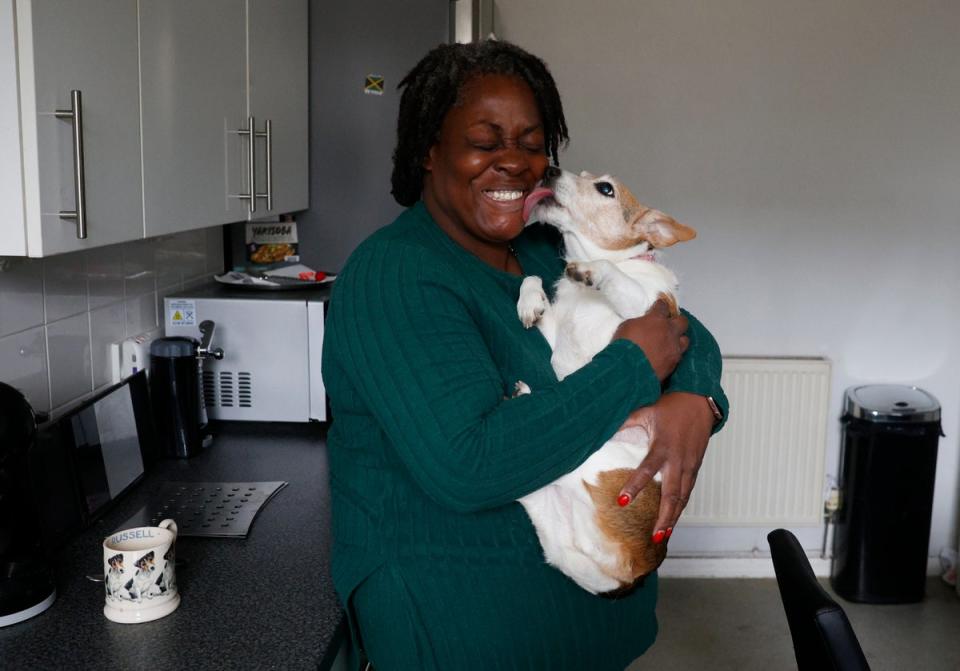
(263, 602)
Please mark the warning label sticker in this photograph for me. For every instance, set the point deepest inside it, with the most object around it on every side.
(182, 313)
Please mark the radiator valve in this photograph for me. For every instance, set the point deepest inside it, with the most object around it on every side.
(832, 504)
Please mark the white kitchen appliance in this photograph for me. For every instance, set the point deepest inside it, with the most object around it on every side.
(272, 342)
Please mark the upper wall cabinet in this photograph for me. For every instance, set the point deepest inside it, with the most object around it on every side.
(278, 100)
(196, 52)
(69, 82)
(136, 119)
(240, 151)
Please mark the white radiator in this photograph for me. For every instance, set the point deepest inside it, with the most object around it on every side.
(766, 467)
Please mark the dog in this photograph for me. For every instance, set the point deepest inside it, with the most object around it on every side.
(114, 576)
(166, 580)
(142, 583)
(612, 274)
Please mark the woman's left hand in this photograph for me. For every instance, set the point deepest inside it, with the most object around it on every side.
(679, 426)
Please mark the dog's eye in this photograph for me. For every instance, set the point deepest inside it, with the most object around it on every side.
(605, 188)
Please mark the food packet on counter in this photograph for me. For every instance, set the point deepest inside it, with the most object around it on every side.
(270, 242)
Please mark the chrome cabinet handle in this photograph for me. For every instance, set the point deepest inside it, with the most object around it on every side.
(268, 134)
(251, 132)
(75, 115)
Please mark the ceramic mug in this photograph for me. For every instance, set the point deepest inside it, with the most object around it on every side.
(138, 565)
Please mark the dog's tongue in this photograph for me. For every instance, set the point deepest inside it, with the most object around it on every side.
(535, 197)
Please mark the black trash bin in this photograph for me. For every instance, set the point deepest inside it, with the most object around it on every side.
(888, 463)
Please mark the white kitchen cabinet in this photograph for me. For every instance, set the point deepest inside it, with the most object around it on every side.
(193, 88)
(168, 89)
(47, 50)
(278, 94)
(236, 60)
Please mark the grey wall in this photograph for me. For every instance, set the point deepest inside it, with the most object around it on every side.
(352, 134)
(816, 148)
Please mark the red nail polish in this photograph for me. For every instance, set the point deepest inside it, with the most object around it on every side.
(658, 537)
(623, 499)
(667, 534)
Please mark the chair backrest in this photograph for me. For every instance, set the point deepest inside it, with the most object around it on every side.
(822, 636)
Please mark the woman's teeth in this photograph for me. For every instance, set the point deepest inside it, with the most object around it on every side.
(505, 196)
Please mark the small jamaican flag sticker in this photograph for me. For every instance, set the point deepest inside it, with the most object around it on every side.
(374, 85)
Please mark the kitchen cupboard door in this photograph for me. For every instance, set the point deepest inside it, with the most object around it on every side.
(90, 47)
(13, 235)
(278, 92)
(193, 84)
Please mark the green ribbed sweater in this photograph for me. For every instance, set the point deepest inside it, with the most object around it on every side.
(437, 565)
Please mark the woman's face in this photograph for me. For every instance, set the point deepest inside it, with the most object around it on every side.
(489, 155)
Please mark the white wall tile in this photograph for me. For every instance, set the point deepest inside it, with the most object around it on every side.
(68, 353)
(194, 254)
(215, 250)
(23, 364)
(107, 326)
(64, 286)
(21, 295)
(105, 275)
(141, 314)
(88, 300)
(168, 257)
(139, 268)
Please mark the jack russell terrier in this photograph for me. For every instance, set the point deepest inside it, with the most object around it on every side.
(612, 274)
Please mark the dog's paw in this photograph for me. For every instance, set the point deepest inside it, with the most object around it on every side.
(521, 388)
(533, 301)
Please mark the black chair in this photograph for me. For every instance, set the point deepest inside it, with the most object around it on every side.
(822, 636)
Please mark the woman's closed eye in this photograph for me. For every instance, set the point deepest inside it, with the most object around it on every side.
(485, 143)
(534, 146)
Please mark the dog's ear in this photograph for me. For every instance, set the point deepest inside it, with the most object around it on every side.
(659, 229)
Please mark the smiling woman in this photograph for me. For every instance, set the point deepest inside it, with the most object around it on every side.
(437, 565)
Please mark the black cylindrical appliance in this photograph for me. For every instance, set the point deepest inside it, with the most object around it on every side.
(176, 392)
(27, 586)
(888, 463)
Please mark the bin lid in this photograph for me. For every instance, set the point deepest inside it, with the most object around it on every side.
(891, 403)
(173, 347)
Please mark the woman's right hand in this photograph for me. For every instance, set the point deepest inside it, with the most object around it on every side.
(661, 337)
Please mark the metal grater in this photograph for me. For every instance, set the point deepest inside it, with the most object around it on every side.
(217, 509)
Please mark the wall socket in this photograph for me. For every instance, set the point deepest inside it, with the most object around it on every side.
(131, 355)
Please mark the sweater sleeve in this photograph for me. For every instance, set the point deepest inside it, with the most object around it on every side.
(400, 329)
(699, 370)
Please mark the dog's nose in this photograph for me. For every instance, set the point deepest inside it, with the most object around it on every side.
(552, 172)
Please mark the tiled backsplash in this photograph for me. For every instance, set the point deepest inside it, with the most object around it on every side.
(59, 315)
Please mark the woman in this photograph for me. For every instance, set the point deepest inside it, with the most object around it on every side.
(437, 566)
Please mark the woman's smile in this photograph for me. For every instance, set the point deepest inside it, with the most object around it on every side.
(505, 196)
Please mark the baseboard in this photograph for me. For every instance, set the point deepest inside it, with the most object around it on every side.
(747, 567)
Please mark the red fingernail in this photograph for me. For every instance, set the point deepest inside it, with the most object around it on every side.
(658, 537)
(623, 499)
(669, 531)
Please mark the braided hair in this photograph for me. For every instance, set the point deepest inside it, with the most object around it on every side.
(433, 86)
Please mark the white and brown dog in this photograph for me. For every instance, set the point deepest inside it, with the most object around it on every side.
(612, 274)
(143, 582)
